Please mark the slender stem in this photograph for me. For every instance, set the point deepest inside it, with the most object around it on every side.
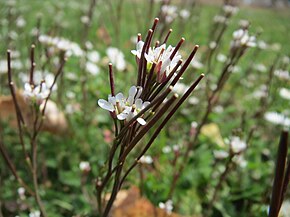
(35, 183)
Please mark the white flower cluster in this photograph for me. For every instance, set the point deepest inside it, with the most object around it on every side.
(70, 48)
(167, 206)
(237, 145)
(117, 58)
(170, 12)
(277, 118)
(35, 213)
(35, 93)
(91, 65)
(285, 93)
(230, 10)
(161, 57)
(146, 159)
(125, 108)
(241, 38)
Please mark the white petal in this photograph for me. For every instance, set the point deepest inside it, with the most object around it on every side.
(112, 100)
(119, 97)
(145, 104)
(138, 103)
(132, 91)
(122, 116)
(141, 121)
(105, 105)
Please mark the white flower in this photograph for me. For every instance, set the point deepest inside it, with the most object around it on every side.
(260, 67)
(262, 45)
(240, 160)
(85, 166)
(282, 74)
(35, 94)
(21, 193)
(229, 9)
(85, 19)
(212, 45)
(125, 108)
(221, 58)
(70, 48)
(166, 149)
(184, 14)
(93, 56)
(35, 213)
(161, 57)
(237, 145)
(117, 58)
(220, 154)
(146, 159)
(195, 63)
(92, 68)
(20, 22)
(277, 118)
(219, 19)
(170, 12)
(285, 93)
(138, 51)
(180, 88)
(167, 206)
(241, 38)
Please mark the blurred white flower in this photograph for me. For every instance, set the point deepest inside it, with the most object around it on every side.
(262, 45)
(260, 67)
(170, 12)
(85, 166)
(193, 100)
(166, 149)
(70, 48)
(35, 94)
(92, 68)
(180, 88)
(277, 118)
(260, 92)
(230, 10)
(220, 154)
(184, 14)
(21, 193)
(241, 38)
(15, 64)
(35, 213)
(244, 24)
(212, 45)
(167, 206)
(240, 160)
(237, 145)
(284, 93)
(282, 74)
(195, 63)
(20, 22)
(146, 159)
(85, 19)
(221, 58)
(93, 56)
(117, 58)
(219, 19)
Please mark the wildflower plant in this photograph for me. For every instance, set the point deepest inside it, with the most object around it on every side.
(36, 96)
(149, 104)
